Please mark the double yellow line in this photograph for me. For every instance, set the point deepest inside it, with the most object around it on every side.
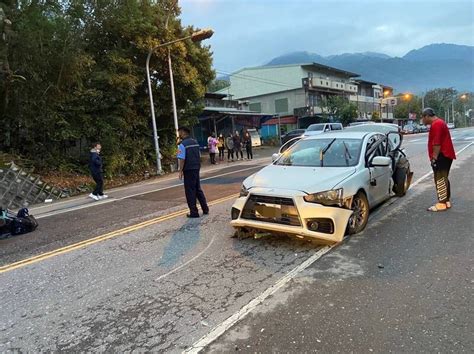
(104, 237)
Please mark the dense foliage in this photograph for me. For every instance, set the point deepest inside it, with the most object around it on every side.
(73, 72)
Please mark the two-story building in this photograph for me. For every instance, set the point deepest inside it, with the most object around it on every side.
(372, 98)
(297, 94)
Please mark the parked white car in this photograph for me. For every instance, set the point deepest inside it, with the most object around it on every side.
(323, 186)
(319, 128)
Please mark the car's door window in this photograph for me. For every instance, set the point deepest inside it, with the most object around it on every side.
(288, 144)
(336, 127)
(375, 147)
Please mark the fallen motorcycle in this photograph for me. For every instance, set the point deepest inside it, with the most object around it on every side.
(12, 224)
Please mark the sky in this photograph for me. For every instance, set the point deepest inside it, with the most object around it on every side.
(252, 32)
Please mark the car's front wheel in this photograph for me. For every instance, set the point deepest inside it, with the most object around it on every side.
(360, 215)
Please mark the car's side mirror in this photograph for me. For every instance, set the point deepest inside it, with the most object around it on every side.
(327, 129)
(381, 161)
(275, 157)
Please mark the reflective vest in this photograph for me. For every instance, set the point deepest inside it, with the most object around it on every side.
(193, 154)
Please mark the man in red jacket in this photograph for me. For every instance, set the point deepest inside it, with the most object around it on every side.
(441, 154)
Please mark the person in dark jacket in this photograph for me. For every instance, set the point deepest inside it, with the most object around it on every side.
(95, 167)
(248, 145)
(189, 157)
(238, 146)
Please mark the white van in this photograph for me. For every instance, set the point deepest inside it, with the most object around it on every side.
(256, 141)
(316, 129)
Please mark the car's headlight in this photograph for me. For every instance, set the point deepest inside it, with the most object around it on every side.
(244, 191)
(332, 197)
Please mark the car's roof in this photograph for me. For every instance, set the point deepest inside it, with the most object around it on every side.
(374, 127)
(339, 134)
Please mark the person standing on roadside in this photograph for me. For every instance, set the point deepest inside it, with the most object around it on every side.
(238, 146)
(221, 147)
(248, 145)
(229, 143)
(212, 145)
(441, 153)
(189, 158)
(96, 170)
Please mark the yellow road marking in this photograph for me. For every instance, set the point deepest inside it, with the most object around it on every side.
(104, 237)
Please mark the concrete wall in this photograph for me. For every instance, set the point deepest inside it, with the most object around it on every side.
(296, 98)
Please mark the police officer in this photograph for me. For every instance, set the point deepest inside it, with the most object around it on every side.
(189, 158)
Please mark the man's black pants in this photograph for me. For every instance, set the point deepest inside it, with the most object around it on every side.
(441, 174)
(193, 191)
(99, 184)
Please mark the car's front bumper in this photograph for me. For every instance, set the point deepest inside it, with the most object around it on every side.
(306, 213)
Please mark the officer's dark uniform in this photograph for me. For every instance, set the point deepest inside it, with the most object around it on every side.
(192, 183)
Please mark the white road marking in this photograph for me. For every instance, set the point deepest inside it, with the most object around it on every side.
(224, 326)
(469, 138)
(220, 329)
(111, 200)
(156, 181)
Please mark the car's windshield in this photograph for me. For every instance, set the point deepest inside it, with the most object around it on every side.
(315, 127)
(342, 152)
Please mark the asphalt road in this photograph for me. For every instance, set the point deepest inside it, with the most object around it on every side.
(164, 282)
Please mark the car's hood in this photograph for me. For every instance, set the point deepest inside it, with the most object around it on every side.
(306, 179)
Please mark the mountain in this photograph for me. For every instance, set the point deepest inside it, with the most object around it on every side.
(441, 52)
(433, 66)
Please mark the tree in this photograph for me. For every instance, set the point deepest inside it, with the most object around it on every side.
(406, 105)
(340, 108)
(84, 68)
(218, 84)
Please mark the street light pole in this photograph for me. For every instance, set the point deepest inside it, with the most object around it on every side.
(170, 68)
(153, 118)
(195, 37)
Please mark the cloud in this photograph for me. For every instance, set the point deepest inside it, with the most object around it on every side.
(251, 33)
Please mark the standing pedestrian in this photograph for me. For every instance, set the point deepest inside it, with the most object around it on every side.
(441, 153)
(248, 145)
(189, 158)
(238, 146)
(229, 143)
(96, 169)
(212, 145)
(221, 147)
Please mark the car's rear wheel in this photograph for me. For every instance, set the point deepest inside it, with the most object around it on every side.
(360, 215)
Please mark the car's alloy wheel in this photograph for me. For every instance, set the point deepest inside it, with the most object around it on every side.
(360, 216)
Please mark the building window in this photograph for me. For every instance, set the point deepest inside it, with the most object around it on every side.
(256, 107)
(281, 105)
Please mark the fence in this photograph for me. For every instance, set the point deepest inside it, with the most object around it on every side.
(18, 188)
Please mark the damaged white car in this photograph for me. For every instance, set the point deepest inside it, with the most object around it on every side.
(323, 187)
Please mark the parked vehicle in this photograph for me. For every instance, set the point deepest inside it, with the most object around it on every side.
(423, 128)
(316, 129)
(451, 125)
(408, 129)
(256, 140)
(293, 134)
(323, 187)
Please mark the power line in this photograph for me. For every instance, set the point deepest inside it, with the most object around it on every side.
(257, 79)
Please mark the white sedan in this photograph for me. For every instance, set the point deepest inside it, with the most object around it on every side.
(322, 186)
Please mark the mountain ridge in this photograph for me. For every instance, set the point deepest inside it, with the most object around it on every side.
(432, 66)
